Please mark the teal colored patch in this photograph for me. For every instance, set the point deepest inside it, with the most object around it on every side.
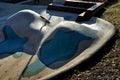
(17, 54)
(34, 68)
(12, 43)
(62, 46)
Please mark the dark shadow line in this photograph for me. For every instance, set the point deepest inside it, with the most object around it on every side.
(21, 75)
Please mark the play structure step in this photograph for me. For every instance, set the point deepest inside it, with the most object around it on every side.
(84, 8)
(61, 7)
(90, 12)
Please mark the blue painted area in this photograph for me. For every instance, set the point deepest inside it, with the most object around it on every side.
(34, 68)
(11, 1)
(67, 17)
(61, 47)
(12, 43)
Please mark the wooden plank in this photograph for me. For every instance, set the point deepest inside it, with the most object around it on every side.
(82, 4)
(84, 16)
(79, 7)
(90, 12)
(60, 7)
